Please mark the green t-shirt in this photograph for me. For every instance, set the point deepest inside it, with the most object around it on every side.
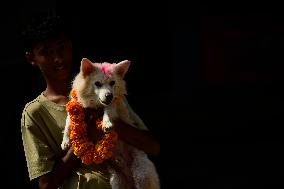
(42, 126)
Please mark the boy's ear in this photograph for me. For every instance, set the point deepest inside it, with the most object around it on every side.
(86, 67)
(30, 58)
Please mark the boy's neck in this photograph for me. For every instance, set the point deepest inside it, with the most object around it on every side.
(57, 95)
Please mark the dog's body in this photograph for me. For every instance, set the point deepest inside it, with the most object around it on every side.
(102, 85)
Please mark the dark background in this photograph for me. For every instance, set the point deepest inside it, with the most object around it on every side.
(205, 77)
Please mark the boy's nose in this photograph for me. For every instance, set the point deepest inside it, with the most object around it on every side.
(58, 59)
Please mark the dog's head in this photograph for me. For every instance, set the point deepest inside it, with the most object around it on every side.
(100, 83)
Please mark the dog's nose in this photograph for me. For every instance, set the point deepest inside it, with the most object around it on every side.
(109, 97)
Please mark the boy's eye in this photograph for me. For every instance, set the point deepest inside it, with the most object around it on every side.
(45, 51)
(62, 47)
(111, 83)
(98, 84)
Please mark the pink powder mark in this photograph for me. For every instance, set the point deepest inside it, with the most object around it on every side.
(106, 68)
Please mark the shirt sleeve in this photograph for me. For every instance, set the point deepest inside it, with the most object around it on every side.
(137, 121)
(39, 156)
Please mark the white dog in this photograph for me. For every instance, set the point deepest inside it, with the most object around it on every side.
(102, 85)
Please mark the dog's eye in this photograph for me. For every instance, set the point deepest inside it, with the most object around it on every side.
(98, 84)
(111, 83)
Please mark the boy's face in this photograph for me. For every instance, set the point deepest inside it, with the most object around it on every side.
(53, 57)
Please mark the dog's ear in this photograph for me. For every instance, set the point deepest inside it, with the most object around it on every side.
(122, 67)
(86, 67)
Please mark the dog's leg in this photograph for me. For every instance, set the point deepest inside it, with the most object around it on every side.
(109, 114)
(65, 141)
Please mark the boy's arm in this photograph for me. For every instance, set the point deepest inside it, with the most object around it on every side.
(42, 165)
(62, 169)
(141, 139)
(138, 135)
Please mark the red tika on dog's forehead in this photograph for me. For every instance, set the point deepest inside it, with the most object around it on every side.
(106, 68)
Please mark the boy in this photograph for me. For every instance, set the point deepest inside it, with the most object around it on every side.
(48, 46)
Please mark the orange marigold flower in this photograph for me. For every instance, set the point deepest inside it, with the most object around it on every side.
(99, 124)
(73, 94)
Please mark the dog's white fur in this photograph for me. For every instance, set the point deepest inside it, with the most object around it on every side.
(132, 168)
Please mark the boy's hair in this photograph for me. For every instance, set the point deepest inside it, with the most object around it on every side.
(42, 28)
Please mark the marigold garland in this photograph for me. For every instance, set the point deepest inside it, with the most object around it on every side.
(83, 147)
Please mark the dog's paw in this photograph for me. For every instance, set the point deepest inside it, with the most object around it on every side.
(65, 144)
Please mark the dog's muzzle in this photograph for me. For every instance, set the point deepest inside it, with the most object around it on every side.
(108, 99)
